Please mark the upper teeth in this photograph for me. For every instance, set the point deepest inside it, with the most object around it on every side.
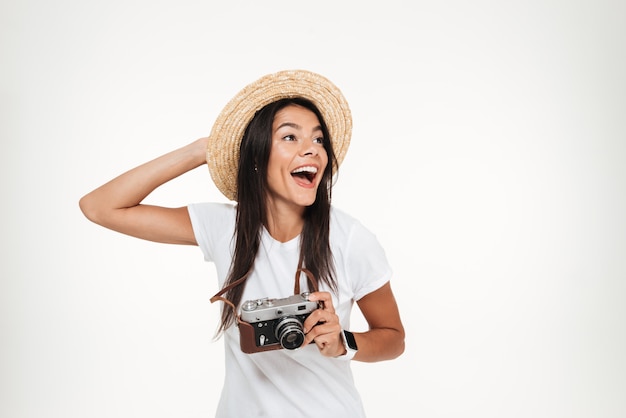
(307, 169)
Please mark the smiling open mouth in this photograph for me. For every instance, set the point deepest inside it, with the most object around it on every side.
(306, 173)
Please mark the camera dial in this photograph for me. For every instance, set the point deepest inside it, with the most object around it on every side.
(251, 305)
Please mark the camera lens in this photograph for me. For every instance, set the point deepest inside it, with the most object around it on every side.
(289, 332)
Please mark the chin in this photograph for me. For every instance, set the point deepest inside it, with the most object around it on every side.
(306, 201)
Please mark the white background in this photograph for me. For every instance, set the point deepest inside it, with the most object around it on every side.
(488, 157)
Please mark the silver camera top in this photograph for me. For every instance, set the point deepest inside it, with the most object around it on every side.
(266, 309)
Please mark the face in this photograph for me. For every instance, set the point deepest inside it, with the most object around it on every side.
(297, 158)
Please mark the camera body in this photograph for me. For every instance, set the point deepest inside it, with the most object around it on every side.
(270, 324)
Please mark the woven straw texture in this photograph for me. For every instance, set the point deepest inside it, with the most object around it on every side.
(230, 125)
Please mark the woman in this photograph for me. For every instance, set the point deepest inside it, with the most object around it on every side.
(274, 150)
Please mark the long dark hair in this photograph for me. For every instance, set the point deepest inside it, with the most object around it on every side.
(252, 214)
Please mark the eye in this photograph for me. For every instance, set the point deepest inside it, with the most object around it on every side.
(319, 140)
(289, 138)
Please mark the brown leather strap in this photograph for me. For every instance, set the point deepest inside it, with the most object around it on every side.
(218, 295)
(311, 282)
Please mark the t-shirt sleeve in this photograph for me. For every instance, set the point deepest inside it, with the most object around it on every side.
(359, 256)
(366, 262)
(212, 223)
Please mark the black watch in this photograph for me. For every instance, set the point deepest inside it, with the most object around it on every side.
(350, 343)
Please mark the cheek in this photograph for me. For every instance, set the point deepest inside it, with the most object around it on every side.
(275, 172)
(276, 164)
(272, 174)
(324, 158)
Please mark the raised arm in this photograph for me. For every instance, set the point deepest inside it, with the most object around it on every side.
(117, 204)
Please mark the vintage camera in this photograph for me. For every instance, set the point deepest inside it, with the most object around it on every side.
(270, 324)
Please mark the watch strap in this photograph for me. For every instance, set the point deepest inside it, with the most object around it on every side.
(350, 343)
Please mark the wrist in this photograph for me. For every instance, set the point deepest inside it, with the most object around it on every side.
(201, 150)
(349, 345)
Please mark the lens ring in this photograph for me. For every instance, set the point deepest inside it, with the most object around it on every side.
(289, 332)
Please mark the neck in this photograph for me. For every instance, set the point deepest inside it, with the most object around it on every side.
(284, 224)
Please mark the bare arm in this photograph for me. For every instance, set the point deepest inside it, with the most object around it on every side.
(385, 338)
(117, 204)
(383, 341)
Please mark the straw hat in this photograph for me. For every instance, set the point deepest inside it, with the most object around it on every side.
(230, 125)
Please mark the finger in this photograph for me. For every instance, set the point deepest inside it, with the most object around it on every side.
(319, 316)
(325, 298)
(316, 318)
(328, 343)
(323, 332)
(321, 344)
(314, 333)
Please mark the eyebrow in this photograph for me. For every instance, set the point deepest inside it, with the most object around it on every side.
(296, 126)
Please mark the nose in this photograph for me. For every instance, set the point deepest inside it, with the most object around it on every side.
(309, 147)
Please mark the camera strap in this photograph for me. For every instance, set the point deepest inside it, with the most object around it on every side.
(218, 295)
(311, 279)
(311, 282)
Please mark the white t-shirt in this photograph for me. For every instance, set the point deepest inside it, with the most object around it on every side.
(290, 383)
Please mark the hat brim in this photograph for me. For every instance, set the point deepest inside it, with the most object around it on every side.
(229, 127)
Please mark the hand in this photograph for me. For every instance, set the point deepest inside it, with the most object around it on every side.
(323, 328)
(199, 148)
